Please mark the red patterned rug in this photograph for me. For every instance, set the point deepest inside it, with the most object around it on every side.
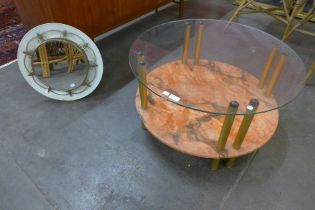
(11, 31)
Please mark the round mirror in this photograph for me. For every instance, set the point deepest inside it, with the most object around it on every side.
(60, 64)
(60, 61)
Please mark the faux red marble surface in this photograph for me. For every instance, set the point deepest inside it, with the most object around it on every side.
(209, 86)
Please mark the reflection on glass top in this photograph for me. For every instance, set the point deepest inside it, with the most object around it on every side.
(206, 64)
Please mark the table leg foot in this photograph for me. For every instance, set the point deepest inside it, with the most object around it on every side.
(230, 162)
(215, 163)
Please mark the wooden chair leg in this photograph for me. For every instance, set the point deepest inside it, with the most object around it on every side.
(297, 7)
(242, 5)
(302, 22)
(69, 53)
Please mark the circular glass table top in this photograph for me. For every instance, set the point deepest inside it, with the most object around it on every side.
(205, 65)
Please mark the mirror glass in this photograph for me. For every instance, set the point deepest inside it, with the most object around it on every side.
(60, 64)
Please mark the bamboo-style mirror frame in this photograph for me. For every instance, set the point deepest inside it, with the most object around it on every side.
(38, 36)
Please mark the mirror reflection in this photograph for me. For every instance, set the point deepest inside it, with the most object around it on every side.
(60, 64)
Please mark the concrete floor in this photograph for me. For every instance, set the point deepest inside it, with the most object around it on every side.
(93, 154)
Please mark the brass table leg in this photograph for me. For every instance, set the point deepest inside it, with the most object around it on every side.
(186, 43)
(230, 163)
(143, 80)
(276, 74)
(142, 89)
(243, 129)
(215, 163)
(199, 36)
(225, 131)
(267, 67)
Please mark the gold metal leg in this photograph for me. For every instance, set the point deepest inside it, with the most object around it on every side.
(225, 131)
(246, 122)
(230, 163)
(266, 68)
(43, 56)
(227, 125)
(276, 74)
(142, 89)
(309, 72)
(186, 43)
(142, 75)
(243, 129)
(143, 80)
(215, 163)
(198, 42)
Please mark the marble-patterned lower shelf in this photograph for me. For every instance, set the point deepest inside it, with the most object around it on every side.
(194, 132)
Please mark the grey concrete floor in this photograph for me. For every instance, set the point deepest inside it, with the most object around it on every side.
(93, 154)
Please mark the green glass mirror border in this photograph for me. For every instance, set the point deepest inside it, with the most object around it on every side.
(42, 40)
(64, 41)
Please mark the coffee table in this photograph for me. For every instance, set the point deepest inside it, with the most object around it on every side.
(213, 91)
